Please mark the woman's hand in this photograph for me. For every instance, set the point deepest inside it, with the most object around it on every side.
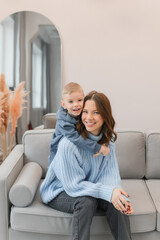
(120, 203)
(104, 150)
(129, 209)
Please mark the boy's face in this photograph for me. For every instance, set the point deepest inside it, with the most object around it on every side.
(73, 103)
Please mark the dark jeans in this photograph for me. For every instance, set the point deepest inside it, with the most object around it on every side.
(83, 209)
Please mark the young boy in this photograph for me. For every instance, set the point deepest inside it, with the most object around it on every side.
(67, 117)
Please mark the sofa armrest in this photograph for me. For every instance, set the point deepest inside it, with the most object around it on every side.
(9, 171)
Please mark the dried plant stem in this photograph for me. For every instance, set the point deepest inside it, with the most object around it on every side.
(11, 141)
(4, 144)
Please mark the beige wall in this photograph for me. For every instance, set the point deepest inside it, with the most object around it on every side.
(112, 46)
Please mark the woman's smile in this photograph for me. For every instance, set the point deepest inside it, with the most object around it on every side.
(90, 124)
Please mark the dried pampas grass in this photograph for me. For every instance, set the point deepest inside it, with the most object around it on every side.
(10, 107)
(1, 109)
(17, 105)
(17, 102)
(5, 104)
(5, 109)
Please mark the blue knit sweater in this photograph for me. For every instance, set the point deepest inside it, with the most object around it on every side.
(77, 172)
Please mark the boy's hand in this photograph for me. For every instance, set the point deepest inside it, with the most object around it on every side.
(104, 150)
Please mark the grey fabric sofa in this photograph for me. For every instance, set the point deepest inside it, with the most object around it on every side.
(24, 216)
(49, 120)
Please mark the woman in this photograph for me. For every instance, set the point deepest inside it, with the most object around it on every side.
(78, 183)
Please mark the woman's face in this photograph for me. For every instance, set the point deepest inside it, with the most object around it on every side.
(91, 118)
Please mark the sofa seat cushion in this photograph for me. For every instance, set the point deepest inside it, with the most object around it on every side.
(154, 188)
(144, 215)
(42, 219)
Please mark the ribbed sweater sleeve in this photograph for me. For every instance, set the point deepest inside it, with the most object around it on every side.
(109, 171)
(69, 167)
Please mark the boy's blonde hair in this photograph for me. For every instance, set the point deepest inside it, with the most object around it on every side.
(70, 88)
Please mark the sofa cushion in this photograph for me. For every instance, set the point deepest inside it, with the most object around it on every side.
(144, 215)
(42, 219)
(154, 188)
(36, 147)
(49, 120)
(23, 190)
(17, 235)
(153, 155)
(130, 151)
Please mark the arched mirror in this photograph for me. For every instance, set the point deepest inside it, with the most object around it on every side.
(31, 51)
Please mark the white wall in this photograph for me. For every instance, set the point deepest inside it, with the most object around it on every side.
(112, 46)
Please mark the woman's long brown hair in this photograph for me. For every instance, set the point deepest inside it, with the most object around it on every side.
(104, 108)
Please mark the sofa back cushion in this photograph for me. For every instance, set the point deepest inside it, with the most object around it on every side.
(49, 120)
(36, 147)
(130, 152)
(153, 155)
